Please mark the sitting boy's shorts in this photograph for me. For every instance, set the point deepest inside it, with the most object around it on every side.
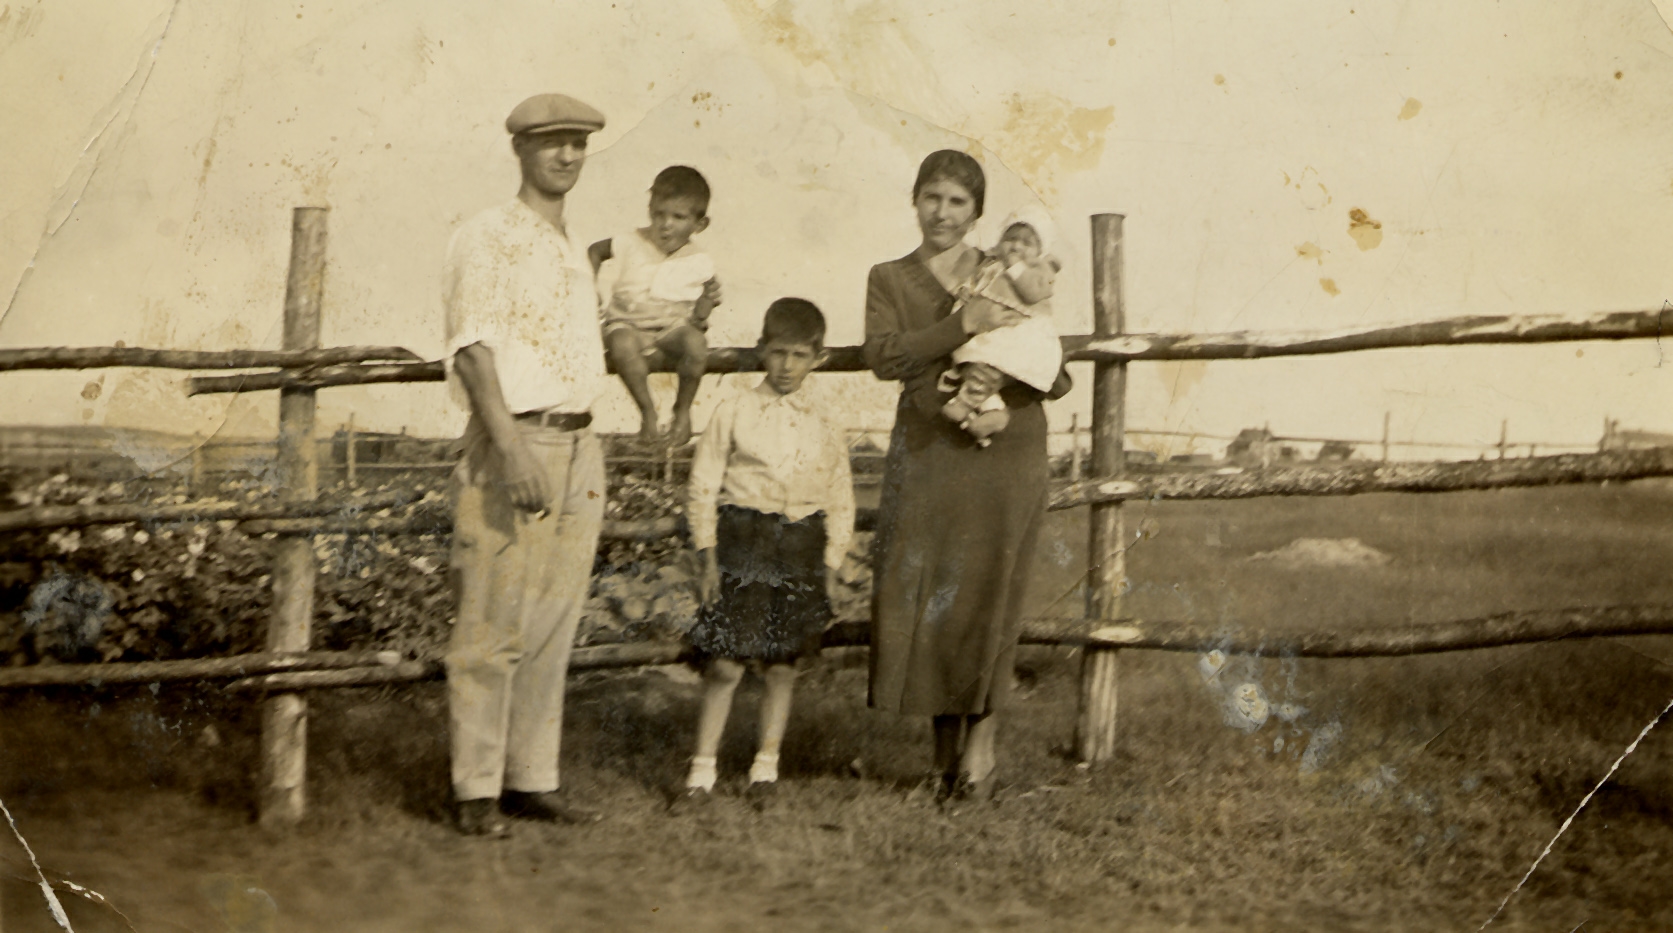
(648, 336)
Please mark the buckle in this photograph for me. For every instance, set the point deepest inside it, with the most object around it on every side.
(558, 420)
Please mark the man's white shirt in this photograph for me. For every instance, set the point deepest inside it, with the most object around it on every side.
(521, 287)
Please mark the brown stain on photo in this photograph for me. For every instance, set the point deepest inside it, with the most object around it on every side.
(1043, 135)
(1310, 250)
(1366, 232)
(1411, 109)
(1329, 286)
(1314, 194)
(1183, 377)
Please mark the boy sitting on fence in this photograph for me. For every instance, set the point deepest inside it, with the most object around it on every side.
(1019, 273)
(659, 307)
(771, 511)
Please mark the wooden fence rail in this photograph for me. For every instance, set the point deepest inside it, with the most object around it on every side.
(1352, 479)
(1448, 332)
(1347, 479)
(224, 668)
(1236, 345)
(73, 516)
(108, 357)
(323, 669)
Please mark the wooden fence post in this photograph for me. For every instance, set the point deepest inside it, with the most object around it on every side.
(1074, 447)
(199, 471)
(284, 718)
(1106, 557)
(348, 453)
(1385, 435)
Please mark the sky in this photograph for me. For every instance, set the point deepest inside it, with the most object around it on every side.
(1499, 158)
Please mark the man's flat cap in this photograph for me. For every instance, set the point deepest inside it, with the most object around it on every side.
(545, 113)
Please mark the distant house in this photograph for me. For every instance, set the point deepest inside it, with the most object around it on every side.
(1257, 447)
(1193, 461)
(1614, 438)
(1336, 452)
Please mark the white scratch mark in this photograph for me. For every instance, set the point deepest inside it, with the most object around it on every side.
(52, 904)
(94, 149)
(1583, 801)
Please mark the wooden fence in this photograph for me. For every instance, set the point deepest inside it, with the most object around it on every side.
(301, 367)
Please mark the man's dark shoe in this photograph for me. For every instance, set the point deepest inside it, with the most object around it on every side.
(546, 806)
(480, 817)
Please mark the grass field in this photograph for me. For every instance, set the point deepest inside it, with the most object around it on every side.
(1387, 794)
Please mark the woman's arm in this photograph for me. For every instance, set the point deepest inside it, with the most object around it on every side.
(891, 350)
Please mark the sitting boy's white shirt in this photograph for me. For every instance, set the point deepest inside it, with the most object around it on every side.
(1027, 351)
(681, 277)
(642, 286)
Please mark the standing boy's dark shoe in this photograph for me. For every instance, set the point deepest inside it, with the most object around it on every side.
(480, 817)
(547, 806)
(760, 793)
(688, 800)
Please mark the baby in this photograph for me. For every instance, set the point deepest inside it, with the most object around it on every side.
(1018, 273)
(659, 306)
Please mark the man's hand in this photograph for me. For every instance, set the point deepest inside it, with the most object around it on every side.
(981, 315)
(708, 579)
(711, 291)
(525, 481)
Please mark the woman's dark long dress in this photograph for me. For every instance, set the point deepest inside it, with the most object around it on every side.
(957, 524)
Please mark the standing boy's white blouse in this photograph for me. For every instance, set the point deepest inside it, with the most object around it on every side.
(772, 453)
(539, 318)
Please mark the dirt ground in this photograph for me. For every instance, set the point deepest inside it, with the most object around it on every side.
(1390, 794)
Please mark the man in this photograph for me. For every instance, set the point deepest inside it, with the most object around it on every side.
(525, 354)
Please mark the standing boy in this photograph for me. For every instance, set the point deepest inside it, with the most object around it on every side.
(525, 355)
(659, 308)
(771, 512)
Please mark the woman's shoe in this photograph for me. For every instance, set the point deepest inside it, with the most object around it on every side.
(945, 786)
(937, 785)
(975, 790)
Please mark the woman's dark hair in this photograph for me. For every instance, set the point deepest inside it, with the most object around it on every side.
(795, 320)
(954, 166)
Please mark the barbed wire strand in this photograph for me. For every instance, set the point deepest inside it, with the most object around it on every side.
(1583, 801)
(52, 904)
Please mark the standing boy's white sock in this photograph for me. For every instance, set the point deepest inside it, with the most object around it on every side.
(765, 768)
(702, 774)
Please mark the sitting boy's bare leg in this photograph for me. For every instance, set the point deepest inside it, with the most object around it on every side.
(626, 348)
(689, 350)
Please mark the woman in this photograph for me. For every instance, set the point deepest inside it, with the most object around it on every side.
(958, 522)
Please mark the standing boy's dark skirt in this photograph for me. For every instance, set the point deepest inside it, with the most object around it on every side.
(772, 605)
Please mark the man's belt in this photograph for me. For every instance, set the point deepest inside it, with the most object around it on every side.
(561, 420)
